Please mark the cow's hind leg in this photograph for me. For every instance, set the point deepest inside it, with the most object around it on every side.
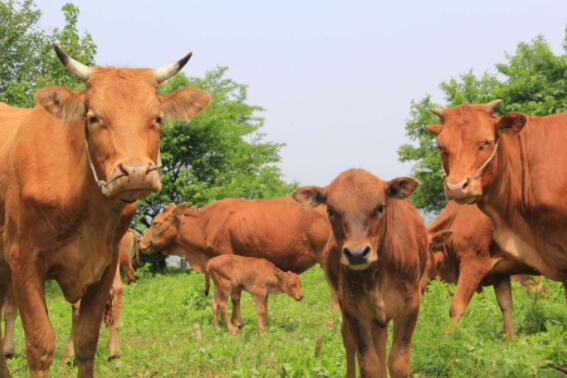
(5, 279)
(10, 315)
(235, 298)
(221, 298)
(503, 292)
(90, 317)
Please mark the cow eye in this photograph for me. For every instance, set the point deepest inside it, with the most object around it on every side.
(93, 119)
(484, 144)
(379, 209)
(331, 212)
(158, 120)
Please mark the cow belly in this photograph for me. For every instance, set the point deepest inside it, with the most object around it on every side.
(543, 258)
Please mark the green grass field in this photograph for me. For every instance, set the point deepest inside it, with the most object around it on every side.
(158, 339)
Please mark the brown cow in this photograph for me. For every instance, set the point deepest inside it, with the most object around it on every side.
(512, 167)
(72, 168)
(127, 250)
(278, 230)
(374, 260)
(465, 253)
(259, 277)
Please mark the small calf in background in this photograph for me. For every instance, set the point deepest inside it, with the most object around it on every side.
(259, 277)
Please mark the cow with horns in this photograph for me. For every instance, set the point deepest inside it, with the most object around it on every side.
(72, 168)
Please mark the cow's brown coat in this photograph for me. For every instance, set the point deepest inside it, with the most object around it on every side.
(375, 261)
(232, 274)
(58, 224)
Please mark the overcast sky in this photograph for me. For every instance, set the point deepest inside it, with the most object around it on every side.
(336, 78)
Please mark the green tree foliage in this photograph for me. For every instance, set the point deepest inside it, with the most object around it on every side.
(221, 153)
(27, 61)
(532, 80)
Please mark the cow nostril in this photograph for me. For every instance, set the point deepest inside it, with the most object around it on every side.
(366, 251)
(465, 184)
(123, 169)
(151, 167)
(347, 252)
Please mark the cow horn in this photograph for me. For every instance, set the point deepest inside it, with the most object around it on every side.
(77, 69)
(169, 70)
(438, 111)
(493, 104)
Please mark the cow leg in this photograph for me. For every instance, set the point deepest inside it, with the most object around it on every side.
(70, 352)
(350, 350)
(215, 306)
(368, 359)
(221, 299)
(503, 292)
(379, 338)
(262, 310)
(565, 291)
(10, 315)
(113, 319)
(235, 298)
(91, 312)
(404, 325)
(334, 307)
(5, 279)
(471, 274)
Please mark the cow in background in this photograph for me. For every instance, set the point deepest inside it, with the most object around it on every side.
(72, 168)
(259, 277)
(375, 260)
(278, 230)
(466, 254)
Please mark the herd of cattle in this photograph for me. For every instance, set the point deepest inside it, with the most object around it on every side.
(74, 165)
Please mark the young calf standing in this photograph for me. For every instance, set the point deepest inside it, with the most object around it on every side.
(233, 273)
(374, 261)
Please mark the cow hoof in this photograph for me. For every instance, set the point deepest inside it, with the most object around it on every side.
(240, 326)
(113, 356)
(8, 355)
(69, 361)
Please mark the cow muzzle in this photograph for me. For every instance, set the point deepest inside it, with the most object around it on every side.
(357, 257)
(133, 180)
(466, 191)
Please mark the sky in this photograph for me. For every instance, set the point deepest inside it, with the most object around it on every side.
(335, 78)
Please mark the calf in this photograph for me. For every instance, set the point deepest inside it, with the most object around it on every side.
(233, 273)
(374, 260)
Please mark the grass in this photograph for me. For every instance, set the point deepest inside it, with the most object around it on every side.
(160, 312)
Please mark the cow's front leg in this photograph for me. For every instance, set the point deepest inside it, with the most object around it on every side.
(10, 315)
(262, 310)
(91, 312)
(350, 350)
(404, 325)
(366, 354)
(5, 283)
(70, 352)
(472, 271)
(30, 297)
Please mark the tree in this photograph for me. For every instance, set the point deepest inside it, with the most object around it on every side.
(532, 80)
(27, 61)
(221, 153)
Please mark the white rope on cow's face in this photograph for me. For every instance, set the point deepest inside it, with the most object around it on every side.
(479, 170)
(102, 184)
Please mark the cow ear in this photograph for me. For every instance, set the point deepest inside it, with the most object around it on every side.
(511, 123)
(401, 187)
(434, 129)
(439, 239)
(184, 104)
(310, 196)
(181, 207)
(62, 102)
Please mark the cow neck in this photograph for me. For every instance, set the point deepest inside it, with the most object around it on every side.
(499, 199)
(191, 233)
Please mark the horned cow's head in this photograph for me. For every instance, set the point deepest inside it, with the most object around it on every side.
(122, 113)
